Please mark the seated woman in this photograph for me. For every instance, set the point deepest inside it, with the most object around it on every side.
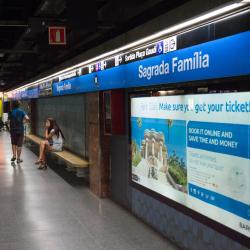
(53, 141)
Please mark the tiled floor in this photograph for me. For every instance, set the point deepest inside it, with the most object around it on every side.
(39, 210)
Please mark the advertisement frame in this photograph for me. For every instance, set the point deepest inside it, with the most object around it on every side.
(217, 226)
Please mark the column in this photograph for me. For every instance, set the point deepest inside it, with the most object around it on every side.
(153, 147)
(146, 151)
(161, 158)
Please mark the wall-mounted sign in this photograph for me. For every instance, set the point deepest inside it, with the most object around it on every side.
(45, 89)
(91, 69)
(195, 150)
(100, 66)
(32, 92)
(169, 44)
(118, 60)
(204, 61)
(69, 75)
(165, 46)
(57, 35)
(152, 50)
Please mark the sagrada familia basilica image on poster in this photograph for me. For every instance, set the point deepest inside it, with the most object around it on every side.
(152, 159)
(153, 149)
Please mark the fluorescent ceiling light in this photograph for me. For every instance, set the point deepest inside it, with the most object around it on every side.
(162, 92)
(168, 31)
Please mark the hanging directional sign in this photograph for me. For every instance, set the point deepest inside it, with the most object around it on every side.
(57, 35)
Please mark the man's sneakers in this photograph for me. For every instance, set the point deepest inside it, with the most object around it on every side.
(13, 158)
(19, 161)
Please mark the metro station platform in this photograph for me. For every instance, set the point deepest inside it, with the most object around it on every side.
(39, 210)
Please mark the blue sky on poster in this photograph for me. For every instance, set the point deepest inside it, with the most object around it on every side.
(175, 140)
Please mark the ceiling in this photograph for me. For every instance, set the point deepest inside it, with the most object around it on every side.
(24, 48)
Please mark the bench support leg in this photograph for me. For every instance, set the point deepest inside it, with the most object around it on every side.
(70, 169)
(80, 172)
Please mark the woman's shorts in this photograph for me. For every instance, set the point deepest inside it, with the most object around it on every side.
(56, 147)
(17, 139)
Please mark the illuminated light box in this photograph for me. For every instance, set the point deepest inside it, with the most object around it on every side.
(195, 150)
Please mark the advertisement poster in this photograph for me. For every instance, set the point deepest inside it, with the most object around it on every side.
(195, 150)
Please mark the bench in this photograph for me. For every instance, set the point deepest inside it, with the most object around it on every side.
(72, 161)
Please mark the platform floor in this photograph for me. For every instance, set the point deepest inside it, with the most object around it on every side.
(39, 210)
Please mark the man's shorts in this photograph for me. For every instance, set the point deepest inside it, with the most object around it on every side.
(17, 139)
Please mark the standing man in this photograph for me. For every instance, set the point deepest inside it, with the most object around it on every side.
(17, 118)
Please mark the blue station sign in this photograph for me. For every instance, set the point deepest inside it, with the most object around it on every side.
(225, 57)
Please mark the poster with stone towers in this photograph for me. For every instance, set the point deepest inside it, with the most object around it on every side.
(157, 156)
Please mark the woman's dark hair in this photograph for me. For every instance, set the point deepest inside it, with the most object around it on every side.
(53, 125)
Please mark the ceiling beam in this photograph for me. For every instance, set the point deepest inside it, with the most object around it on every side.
(13, 23)
(2, 72)
(12, 64)
(105, 25)
(16, 81)
(13, 76)
(18, 51)
(14, 73)
(11, 7)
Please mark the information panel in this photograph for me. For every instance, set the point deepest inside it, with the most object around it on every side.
(45, 89)
(195, 150)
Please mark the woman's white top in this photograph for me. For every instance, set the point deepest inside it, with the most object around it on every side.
(57, 141)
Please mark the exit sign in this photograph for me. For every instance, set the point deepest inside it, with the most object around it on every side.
(57, 35)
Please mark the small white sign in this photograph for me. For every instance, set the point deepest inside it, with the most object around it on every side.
(169, 44)
(103, 65)
(67, 75)
(118, 60)
(91, 68)
(172, 43)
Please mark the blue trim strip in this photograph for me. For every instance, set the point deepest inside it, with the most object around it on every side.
(233, 206)
(225, 57)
